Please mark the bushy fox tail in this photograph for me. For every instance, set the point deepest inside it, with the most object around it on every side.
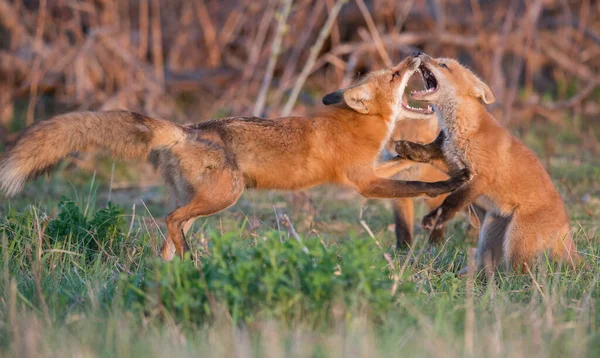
(123, 134)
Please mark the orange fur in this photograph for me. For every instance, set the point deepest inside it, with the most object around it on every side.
(418, 131)
(208, 165)
(526, 214)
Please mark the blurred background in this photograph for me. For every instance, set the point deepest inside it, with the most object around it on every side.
(189, 60)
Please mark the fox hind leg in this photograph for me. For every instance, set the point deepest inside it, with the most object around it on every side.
(180, 220)
(437, 234)
(565, 249)
(212, 182)
(490, 248)
(404, 218)
(476, 215)
(524, 240)
(530, 235)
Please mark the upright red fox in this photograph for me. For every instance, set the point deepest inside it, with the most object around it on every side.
(418, 125)
(421, 131)
(208, 165)
(527, 214)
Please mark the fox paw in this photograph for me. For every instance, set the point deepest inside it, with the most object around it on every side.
(409, 150)
(464, 176)
(429, 220)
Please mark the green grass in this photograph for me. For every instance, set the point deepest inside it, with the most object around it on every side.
(82, 278)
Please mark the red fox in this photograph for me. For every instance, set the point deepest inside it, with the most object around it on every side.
(526, 213)
(418, 125)
(421, 131)
(208, 165)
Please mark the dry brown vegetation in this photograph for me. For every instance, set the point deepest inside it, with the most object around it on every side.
(193, 59)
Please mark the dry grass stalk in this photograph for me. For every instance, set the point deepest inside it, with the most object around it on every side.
(314, 52)
(210, 34)
(157, 52)
(387, 61)
(470, 305)
(286, 6)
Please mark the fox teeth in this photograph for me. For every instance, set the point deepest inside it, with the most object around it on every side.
(423, 91)
(429, 108)
(414, 108)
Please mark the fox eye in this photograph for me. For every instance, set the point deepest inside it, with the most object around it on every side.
(443, 65)
(397, 73)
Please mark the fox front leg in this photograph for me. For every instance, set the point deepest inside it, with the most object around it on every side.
(430, 153)
(422, 153)
(391, 167)
(371, 186)
(455, 202)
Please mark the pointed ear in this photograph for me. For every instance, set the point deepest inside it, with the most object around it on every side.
(334, 97)
(358, 98)
(483, 92)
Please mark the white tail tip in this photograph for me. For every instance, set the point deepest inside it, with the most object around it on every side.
(11, 178)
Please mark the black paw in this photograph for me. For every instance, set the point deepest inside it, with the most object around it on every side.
(464, 176)
(429, 220)
(406, 150)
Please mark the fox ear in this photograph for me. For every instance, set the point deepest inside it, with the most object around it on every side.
(333, 97)
(359, 97)
(483, 92)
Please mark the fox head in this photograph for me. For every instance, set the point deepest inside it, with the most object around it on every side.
(446, 81)
(379, 92)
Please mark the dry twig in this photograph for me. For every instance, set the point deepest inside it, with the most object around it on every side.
(314, 52)
(286, 6)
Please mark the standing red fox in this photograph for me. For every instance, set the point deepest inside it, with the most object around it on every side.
(208, 165)
(418, 125)
(422, 130)
(526, 214)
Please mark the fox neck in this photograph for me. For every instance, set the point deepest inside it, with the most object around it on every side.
(383, 125)
(375, 128)
(457, 118)
(390, 121)
(380, 128)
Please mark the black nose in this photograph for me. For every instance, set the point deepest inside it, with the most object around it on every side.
(416, 53)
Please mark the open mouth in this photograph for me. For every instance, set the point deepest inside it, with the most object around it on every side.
(408, 107)
(429, 80)
(430, 84)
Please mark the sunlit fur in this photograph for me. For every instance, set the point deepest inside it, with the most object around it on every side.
(527, 214)
(209, 164)
(422, 130)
